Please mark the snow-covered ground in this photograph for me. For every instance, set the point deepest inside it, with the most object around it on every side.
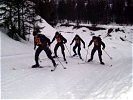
(78, 81)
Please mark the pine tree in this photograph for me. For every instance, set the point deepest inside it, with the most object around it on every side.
(18, 17)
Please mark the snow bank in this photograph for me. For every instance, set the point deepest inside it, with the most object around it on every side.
(48, 30)
(10, 47)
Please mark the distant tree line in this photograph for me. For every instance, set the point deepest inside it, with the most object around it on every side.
(18, 16)
(88, 11)
(95, 11)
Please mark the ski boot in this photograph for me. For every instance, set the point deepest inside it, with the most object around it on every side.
(89, 60)
(35, 66)
(74, 55)
(102, 63)
(55, 56)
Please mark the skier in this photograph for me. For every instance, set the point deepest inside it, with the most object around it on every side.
(78, 41)
(97, 46)
(60, 42)
(43, 43)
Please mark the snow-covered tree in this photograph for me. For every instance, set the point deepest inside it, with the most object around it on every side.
(17, 16)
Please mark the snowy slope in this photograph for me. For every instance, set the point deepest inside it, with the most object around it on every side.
(78, 81)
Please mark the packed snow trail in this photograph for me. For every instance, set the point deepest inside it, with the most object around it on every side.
(75, 82)
(87, 81)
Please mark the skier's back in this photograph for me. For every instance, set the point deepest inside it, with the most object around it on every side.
(97, 46)
(60, 42)
(78, 41)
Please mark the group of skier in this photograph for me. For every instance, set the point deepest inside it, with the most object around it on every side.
(44, 43)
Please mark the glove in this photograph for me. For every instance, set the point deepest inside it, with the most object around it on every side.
(64, 42)
(70, 43)
(103, 48)
(84, 47)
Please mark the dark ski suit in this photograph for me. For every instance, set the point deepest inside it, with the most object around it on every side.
(60, 42)
(97, 46)
(78, 41)
(43, 43)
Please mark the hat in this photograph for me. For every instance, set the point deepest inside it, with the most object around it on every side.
(57, 33)
(94, 37)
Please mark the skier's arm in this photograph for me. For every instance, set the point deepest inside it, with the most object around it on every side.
(103, 44)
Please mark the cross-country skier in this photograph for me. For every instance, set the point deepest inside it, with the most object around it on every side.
(43, 43)
(97, 46)
(78, 41)
(60, 42)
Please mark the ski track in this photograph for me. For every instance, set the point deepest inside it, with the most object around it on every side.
(74, 87)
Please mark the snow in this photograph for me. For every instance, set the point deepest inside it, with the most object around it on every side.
(78, 81)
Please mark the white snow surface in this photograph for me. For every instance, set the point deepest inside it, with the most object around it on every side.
(78, 81)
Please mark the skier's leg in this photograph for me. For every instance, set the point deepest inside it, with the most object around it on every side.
(55, 49)
(92, 54)
(79, 49)
(100, 56)
(38, 51)
(48, 53)
(74, 50)
(62, 50)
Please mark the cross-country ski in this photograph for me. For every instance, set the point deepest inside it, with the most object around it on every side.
(93, 63)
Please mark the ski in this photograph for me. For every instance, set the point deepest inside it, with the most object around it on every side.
(82, 59)
(83, 63)
(61, 60)
(73, 56)
(40, 67)
(34, 66)
(92, 63)
(76, 57)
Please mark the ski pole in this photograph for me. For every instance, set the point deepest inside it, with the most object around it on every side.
(61, 63)
(86, 55)
(107, 54)
(68, 50)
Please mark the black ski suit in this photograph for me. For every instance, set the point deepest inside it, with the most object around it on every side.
(60, 42)
(78, 41)
(97, 46)
(43, 43)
